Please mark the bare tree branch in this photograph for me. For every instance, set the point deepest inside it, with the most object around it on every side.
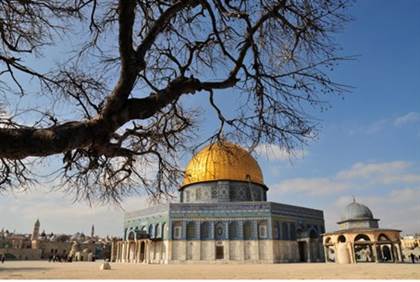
(127, 82)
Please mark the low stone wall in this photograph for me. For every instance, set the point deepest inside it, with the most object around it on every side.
(21, 254)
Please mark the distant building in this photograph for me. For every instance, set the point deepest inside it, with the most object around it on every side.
(223, 216)
(359, 239)
(410, 242)
(44, 246)
(411, 245)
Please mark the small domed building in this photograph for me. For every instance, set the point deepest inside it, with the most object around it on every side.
(359, 239)
(223, 216)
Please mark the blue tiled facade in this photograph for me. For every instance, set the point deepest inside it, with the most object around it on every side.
(225, 221)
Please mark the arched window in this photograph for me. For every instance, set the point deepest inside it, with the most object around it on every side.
(191, 230)
(233, 230)
(177, 230)
(151, 231)
(361, 237)
(131, 235)
(205, 230)
(157, 231)
(341, 239)
(262, 230)
(247, 230)
(383, 237)
(219, 232)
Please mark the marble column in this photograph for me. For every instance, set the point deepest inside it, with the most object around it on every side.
(352, 253)
(308, 250)
(326, 254)
(122, 245)
(147, 252)
(391, 248)
(375, 253)
(400, 255)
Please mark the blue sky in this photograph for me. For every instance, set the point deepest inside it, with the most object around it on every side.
(367, 146)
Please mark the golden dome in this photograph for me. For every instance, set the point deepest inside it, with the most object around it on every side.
(223, 161)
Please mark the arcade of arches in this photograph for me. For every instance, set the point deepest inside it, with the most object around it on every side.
(360, 240)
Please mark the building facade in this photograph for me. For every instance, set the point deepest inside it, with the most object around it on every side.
(411, 245)
(39, 245)
(359, 239)
(223, 216)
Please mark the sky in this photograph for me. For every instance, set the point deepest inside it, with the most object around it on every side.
(367, 146)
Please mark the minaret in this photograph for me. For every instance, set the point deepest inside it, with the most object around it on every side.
(35, 232)
(35, 235)
(92, 231)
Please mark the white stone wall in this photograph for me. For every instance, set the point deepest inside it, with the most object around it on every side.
(234, 251)
(236, 248)
(285, 251)
(256, 251)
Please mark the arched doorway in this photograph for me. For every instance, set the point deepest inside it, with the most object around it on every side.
(385, 248)
(363, 249)
(303, 246)
(386, 253)
(142, 251)
(219, 234)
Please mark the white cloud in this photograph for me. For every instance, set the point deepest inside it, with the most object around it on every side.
(411, 117)
(395, 209)
(385, 124)
(377, 126)
(390, 189)
(58, 214)
(401, 178)
(364, 170)
(359, 176)
(276, 153)
(309, 186)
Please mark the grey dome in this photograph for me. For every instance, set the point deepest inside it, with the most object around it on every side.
(355, 210)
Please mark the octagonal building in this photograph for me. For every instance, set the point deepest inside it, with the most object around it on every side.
(359, 239)
(223, 217)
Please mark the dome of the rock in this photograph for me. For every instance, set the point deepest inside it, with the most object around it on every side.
(223, 161)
